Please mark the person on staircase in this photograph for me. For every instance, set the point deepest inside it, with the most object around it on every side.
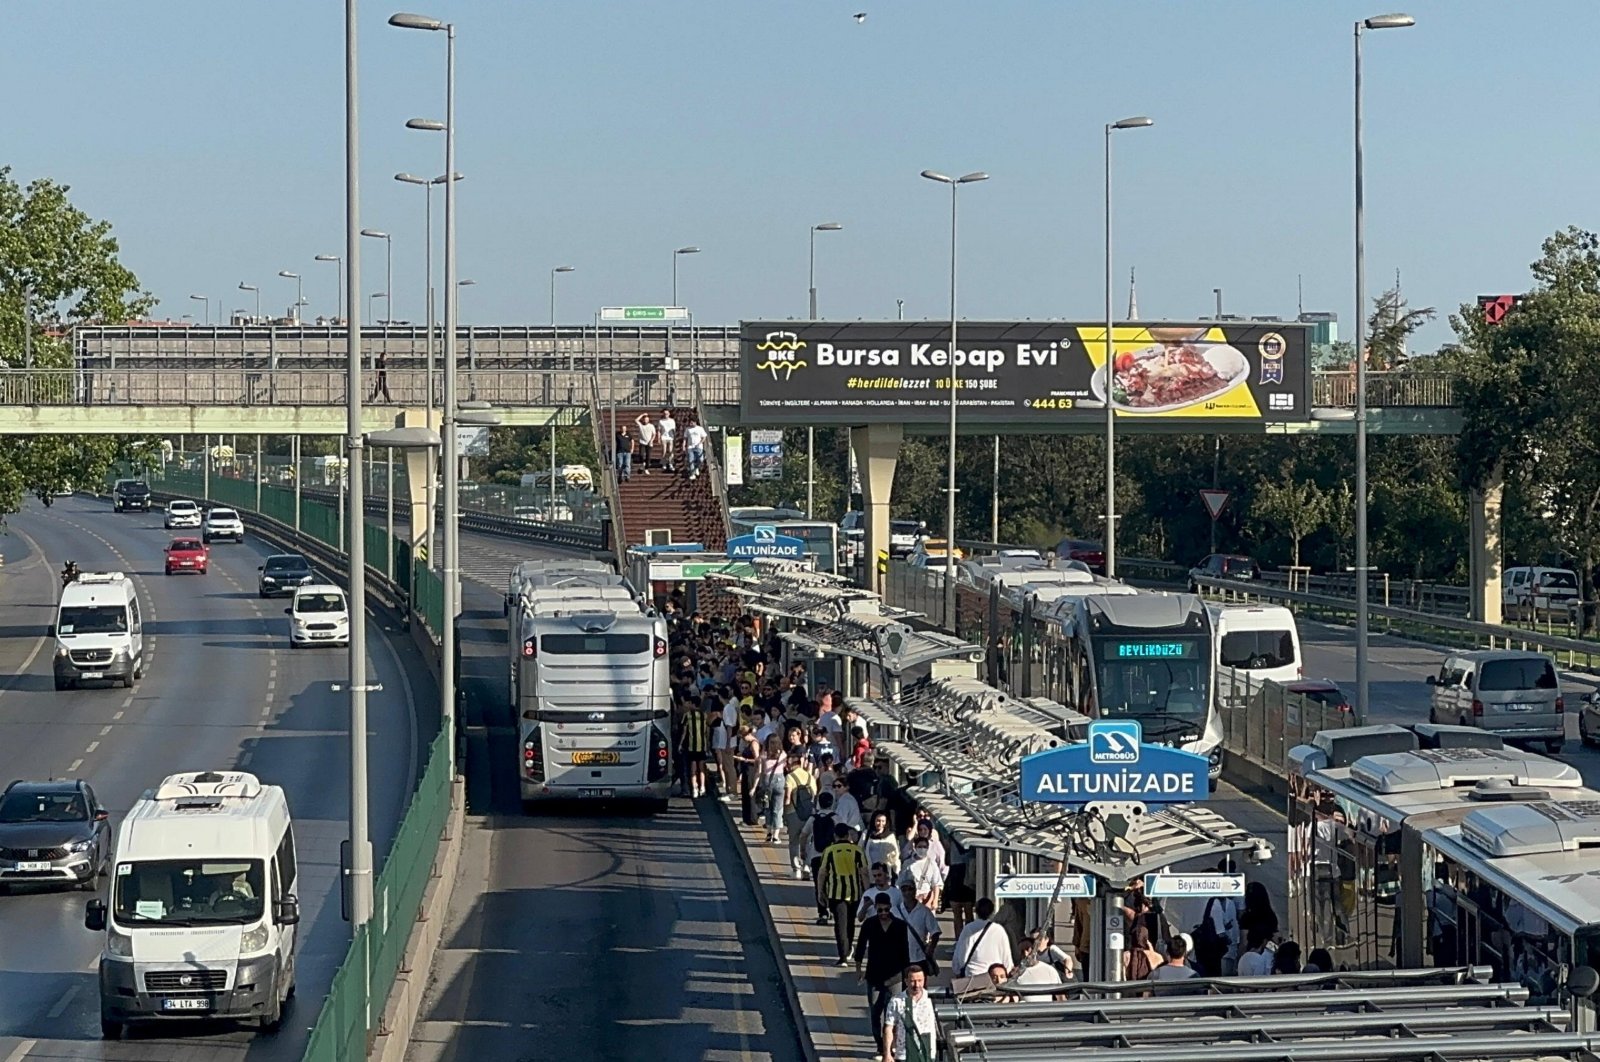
(623, 447)
(667, 431)
(694, 444)
(647, 440)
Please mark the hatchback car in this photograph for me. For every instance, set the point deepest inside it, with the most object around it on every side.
(182, 513)
(223, 524)
(282, 573)
(52, 833)
(188, 555)
(1223, 566)
(318, 615)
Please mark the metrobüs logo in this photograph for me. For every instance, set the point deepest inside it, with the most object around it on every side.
(782, 350)
(1114, 741)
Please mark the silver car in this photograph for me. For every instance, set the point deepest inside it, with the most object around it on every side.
(1510, 692)
(52, 833)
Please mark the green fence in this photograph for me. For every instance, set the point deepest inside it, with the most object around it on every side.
(354, 1007)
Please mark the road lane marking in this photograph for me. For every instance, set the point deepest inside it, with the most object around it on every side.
(64, 1002)
(72, 768)
(21, 1050)
(105, 730)
(92, 746)
(116, 715)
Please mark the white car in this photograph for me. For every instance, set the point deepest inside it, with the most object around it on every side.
(318, 615)
(222, 523)
(182, 514)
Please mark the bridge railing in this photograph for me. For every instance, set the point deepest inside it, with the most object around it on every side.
(1417, 390)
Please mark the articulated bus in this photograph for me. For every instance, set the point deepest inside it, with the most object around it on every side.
(1443, 846)
(589, 677)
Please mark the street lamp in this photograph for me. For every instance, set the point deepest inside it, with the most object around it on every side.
(553, 272)
(255, 288)
(675, 254)
(207, 300)
(811, 432)
(826, 226)
(672, 325)
(1377, 22)
(388, 284)
(451, 552)
(950, 485)
(299, 291)
(1110, 551)
(375, 295)
(339, 291)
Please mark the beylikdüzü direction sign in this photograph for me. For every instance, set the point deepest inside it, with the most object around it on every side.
(1114, 764)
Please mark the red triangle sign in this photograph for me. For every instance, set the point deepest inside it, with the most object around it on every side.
(1216, 501)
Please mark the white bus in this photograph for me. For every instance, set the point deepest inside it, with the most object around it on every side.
(593, 703)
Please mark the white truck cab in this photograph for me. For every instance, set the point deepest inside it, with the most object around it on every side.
(201, 918)
(99, 631)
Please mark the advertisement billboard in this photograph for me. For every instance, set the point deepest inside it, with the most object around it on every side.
(766, 453)
(1034, 372)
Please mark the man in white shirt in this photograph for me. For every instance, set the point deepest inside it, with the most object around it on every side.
(647, 440)
(982, 944)
(910, 1014)
(829, 719)
(1256, 961)
(694, 443)
(667, 429)
(922, 925)
(880, 887)
(1032, 971)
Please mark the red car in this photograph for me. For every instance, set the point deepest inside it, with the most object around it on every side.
(188, 555)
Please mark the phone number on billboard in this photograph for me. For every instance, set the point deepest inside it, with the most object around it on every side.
(1049, 403)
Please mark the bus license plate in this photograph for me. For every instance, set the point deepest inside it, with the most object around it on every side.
(185, 1003)
(580, 759)
(599, 794)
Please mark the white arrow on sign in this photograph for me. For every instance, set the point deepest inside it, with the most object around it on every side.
(1215, 500)
(1194, 884)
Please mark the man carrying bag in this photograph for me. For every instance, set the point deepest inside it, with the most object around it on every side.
(910, 1031)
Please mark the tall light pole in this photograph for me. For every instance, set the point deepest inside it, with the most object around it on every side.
(207, 300)
(950, 484)
(257, 289)
(375, 295)
(452, 465)
(1218, 293)
(811, 432)
(671, 326)
(388, 284)
(1111, 357)
(355, 496)
(553, 272)
(299, 291)
(339, 292)
(427, 243)
(1377, 22)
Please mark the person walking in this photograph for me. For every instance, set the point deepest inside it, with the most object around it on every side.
(922, 929)
(696, 743)
(818, 835)
(844, 878)
(694, 443)
(1257, 958)
(881, 845)
(622, 452)
(800, 803)
(647, 439)
(667, 432)
(982, 944)
(774, 784)
(910, 1030)
(882, 956)
(381, 386)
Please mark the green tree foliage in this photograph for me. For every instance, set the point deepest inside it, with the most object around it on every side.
(513, 451)
(58, 267)
(1389, 329)
(1292, 506)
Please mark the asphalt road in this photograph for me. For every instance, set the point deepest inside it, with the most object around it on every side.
(221, 689)
(587, 933)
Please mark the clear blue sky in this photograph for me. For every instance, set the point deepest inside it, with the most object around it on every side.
(604, 133)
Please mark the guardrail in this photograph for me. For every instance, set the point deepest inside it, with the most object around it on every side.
(1262, 721)
(571, 536)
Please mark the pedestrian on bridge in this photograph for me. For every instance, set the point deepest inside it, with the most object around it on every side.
(622, 453)
(382, 384)
(882, 956)
(647, 440)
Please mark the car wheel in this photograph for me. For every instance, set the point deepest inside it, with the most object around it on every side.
(110, 1030)
(1583, 731)
(63, 684)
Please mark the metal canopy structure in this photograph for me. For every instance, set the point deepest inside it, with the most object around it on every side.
(962, 741)
(1377, 1016)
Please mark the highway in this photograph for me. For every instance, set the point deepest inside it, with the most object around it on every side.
(613, 934)
(221, 689)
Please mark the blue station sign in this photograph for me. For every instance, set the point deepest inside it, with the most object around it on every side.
(764, 541)
(1115, 764)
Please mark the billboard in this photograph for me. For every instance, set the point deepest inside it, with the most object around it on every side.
(1037, 372)
(766, 453)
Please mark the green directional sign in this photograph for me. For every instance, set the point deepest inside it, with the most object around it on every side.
(643, 313)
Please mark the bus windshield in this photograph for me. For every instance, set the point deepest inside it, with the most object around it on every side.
(1150, 678)
(93, 619)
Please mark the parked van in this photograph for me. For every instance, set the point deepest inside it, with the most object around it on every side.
(1255, 644)
(99, 631)
(201, 918)
(1526, 593)
(1514, 693)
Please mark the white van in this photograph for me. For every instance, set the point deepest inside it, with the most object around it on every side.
(1532, 593)
(1255, 644)
(99, 631)
(202, 912)
(319, 614)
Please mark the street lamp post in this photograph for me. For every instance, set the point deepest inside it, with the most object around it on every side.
(1377, 22)
(1111, 357)
(299, 291)
(427, 243)
(339, 292)
(811, 432)
(257, 289)
(450, 563)
(375, 295)
(672, 325)
(553, 272)
(207, 300)
(388, 284)
(950, 484)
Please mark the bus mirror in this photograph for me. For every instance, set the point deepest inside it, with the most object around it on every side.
(1583, 981)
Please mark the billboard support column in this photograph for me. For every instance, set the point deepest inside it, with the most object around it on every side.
(877, 450)
(1485, 560)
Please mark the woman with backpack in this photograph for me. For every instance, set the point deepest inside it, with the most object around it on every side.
(800, 803)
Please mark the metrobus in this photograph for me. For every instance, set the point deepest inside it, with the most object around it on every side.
(820, 536)
(589, 679)
(1441, 845)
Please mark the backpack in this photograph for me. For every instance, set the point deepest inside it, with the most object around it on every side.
(1139, 965)
(805, 802)
(822, 830)
(1210, 946)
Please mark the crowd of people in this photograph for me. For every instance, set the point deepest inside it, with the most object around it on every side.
(658, 442)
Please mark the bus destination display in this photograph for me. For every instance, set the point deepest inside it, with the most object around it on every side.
(1152, 650)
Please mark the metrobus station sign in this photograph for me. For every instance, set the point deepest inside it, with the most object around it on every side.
(1114, 764)
(764, 541)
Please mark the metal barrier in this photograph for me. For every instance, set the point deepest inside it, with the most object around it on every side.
(1262, 721)
(569, 535)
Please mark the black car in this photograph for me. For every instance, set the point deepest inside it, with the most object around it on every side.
(282, 572)
(129, 495)
(1224, 566)
(53, 833)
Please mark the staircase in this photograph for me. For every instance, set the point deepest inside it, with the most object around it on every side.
(690, 509)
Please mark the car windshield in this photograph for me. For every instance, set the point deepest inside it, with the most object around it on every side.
(93, 619)
(186, 544)
(178, 892)
(1532, 673)
(181, 507)
(224, 514)
(43, 807)
(319, 603)
(903, 527)
(1256, 650)
(287, 564)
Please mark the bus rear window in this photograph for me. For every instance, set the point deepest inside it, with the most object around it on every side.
(1254, 650)
(595, 644)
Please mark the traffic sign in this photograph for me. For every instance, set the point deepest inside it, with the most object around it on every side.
(1114, 764)
(643, 313)
(1216, 500)
(1043, 886)
(765, 541)
(1194, 884)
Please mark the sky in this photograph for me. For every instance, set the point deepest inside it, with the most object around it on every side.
(603, 134)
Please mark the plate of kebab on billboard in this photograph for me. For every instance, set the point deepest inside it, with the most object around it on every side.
(1178, 370)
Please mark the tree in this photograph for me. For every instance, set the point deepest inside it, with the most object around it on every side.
(1293, 508)
(1390, 327)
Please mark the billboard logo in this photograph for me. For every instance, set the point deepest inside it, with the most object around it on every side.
(765, 534)
(782, 350)
(1114, 741)
(1272, 347)
(1280, 402)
